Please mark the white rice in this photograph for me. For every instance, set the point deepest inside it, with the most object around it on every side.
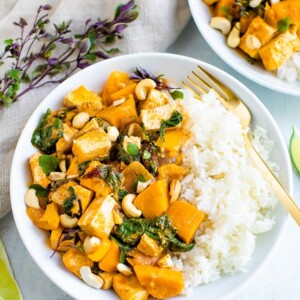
(238, 206)
(290, 70)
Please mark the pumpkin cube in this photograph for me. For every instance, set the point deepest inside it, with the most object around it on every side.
(123, 93)
(260, 29)
(154, 200)
(280, 49)
(100, 251)
(173, 141)
(73, 168)
(34, 215)
(171, 171)
(98, 218)
(38, 175)
(50, 218)
(223, 8)
(57, 236)
(128, 287)
(160, 282)
(186, 218)
(120, 116)
(74, 259)
(149, 246)
(85, 100)
(111, 259)
(95, 184)
(152, 118)
(93, 144)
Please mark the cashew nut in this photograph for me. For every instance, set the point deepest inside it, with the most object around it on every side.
(118, 102)
(233, 39)
(143, 87)
(166, 262)
(175, 189)
(56, 176)
(253, 42)
(113, 133)
(220, 23)
(67, 221)
(129, 209)
(255, 3)
(142, 185)
(125, 270)
(274, 1)
(80, 120)
(62, 166)
(89, 278)
(31, 199)
(90, 244)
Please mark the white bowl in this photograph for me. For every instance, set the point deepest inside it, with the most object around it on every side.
(174, 67)
(202, 15)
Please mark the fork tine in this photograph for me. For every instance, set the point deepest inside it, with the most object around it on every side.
(211, 82)
(196, 94)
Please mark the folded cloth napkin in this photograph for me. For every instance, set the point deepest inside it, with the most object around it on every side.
(157, 27)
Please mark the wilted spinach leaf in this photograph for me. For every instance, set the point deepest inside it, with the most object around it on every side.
(69, 202)
(39, 190)
(48, 163)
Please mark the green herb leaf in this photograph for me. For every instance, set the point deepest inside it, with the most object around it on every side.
(69, 202)
(146, 154)
(174, 120)
(132, 149)
(39, 190)
(138, 178)
(8, 42)
(48, 163)
(284, 24)
(177, 95)
(122, 193)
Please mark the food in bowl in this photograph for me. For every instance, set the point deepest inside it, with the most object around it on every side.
(145, 189)
(266, 31)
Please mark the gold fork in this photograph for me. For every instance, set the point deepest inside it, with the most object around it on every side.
(200, 83)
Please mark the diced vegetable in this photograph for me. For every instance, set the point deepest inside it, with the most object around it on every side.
(149, 246)
(135, 257)
(128, 287)
(154, 200)
(160, 282)
(101, 250)
(186, 218)
(34, 215)
(120, 116)
(57, 241)
(111, 259)
(173, 140)
(38, 175)
(98, 218)
(50, 218)
(223, 8)
(123, 93)
(171, 172)
(74, 259)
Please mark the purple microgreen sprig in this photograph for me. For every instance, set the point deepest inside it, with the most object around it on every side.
(41, 56)
(141, 73)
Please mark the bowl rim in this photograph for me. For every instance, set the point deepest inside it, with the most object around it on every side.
(253, 76)
(152, 55)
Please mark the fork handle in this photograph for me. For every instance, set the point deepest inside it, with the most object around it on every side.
(276, 186)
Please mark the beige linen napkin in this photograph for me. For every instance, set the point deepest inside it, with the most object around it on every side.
(158, 25)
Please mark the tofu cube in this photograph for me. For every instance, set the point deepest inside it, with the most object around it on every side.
(85, 100)
(62, 193)
(62, 144)
(280, 49)
(93, 144)
(148, 246)
(154, 99)
(73, 168)
(37, 172)
(152, 118)
(98, 218)
(260, 29)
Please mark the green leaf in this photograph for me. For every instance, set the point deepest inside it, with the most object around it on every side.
(48, 163)
(122, 193)
(177, 95)
(174, 120)
(225, 9)
(39, 190)
(13, 74)
(90, 56)
(284, 24)
(69, 202)
(132, 149)
(146, 154)
(8, 42)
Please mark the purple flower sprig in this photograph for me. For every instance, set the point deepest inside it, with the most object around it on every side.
(39, 56)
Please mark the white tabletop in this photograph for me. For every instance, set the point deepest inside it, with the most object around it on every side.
(278, 281)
